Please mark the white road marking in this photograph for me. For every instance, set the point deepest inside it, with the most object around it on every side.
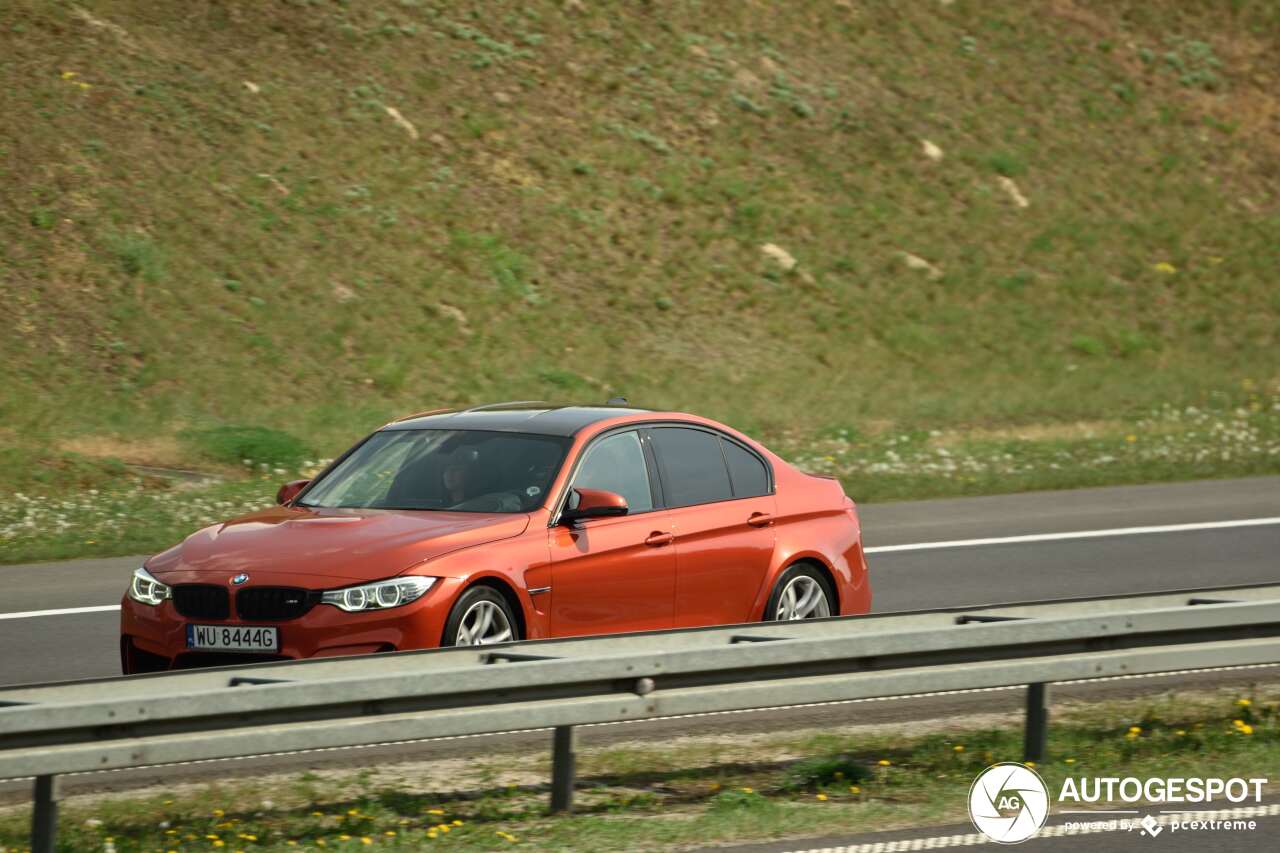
(1077, 827)
(62, 611)
(882, 549)
(1078, 534)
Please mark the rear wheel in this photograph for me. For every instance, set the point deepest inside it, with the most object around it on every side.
(480, 617)
(801, 593)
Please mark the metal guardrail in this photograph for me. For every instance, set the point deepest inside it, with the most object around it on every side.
(54, 729)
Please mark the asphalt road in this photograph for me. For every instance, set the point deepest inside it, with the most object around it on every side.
(54, 646)
(83, 645)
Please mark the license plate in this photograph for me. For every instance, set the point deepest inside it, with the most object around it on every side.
(232, 638)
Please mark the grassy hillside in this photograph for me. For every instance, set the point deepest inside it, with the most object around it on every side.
(812, 219)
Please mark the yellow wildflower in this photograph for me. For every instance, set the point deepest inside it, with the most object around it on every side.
(854, 789)
(822, 798)
(958, 747)
(748, 791)
(884, 762)
(1164, 267)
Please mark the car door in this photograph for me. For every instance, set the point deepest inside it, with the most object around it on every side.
(720, 497)
(614, 574)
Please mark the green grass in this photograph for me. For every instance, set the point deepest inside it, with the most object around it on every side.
(213, 220)
(700, 791)
(234, 445)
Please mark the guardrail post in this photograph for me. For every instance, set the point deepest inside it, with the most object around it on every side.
(44, 818)
(1037, 735)
(562, 769)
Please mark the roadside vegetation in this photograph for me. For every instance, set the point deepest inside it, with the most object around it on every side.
(85, 507)
(1018, 233)
(644, 797)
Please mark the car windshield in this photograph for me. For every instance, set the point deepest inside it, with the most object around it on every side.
(437, 469)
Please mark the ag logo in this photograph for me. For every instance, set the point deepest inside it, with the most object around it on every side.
(1008, 802)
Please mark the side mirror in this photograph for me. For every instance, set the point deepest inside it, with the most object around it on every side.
(594, 503)
(289, 491)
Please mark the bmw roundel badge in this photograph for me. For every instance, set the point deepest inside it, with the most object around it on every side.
(239, 579)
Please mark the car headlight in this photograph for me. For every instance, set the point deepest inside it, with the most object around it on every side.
(146, 589)
(381, 595)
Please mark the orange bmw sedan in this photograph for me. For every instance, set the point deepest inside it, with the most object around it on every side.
(501, 523)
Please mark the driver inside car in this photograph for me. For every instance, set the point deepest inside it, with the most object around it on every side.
(459, 474)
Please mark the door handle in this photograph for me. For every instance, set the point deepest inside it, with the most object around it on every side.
(760, 519)
(658, 538)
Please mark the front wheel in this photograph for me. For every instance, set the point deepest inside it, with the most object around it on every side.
(801, 593)
(480, 617)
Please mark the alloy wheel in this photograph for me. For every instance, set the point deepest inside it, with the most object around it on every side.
(484, 623)
(802, 598)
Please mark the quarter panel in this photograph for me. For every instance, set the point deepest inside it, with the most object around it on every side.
(816, 521)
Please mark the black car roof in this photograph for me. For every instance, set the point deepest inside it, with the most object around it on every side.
(536, 418)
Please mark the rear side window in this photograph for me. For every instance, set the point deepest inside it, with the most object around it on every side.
(693, 470)
(750, 477)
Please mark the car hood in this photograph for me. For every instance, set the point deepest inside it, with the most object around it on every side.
(292, 545)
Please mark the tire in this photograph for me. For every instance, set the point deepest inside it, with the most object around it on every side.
(802, 579)
(469, 615)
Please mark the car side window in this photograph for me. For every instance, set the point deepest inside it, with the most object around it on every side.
(616, 464)
(750, 477)
(693, 469)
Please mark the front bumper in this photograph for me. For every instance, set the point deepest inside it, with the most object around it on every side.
(154, 638)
